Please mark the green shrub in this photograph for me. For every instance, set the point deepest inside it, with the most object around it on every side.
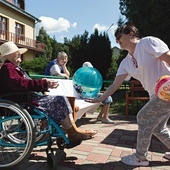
(36, 66)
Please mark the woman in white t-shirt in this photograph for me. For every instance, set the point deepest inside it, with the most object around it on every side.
(147, 60)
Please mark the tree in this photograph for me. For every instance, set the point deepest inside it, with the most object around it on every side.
(95, 49)
(52, 47)
(78, 50)
(45, 38)
(100, 52)
(57, 47)
(111, 73)
(151, 17)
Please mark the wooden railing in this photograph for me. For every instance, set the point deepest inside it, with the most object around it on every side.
(21, 40)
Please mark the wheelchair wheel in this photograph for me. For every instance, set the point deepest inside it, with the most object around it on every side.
(60, 143)
(51, 159)
(17, 134)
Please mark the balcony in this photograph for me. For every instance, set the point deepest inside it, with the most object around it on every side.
(18, 3)
(22, 41)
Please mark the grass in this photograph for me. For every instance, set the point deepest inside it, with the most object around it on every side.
(118, 105)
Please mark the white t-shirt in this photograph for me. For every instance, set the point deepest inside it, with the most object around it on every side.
(55, 69)
(150, 67)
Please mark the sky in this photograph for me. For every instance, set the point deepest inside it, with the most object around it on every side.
(68, 18)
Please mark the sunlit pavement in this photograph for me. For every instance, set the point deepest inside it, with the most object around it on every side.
(104, 151)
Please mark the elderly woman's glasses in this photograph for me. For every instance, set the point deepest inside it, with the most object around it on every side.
(135, 64)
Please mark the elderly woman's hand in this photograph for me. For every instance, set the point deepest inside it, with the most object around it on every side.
(66, 76)
(95, 100)
(52, 83)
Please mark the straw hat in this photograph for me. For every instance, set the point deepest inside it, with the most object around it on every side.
(9, 48)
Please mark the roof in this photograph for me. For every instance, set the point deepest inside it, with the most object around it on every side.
(19, 10)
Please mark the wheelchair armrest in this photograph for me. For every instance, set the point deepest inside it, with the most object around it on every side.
(28, 93)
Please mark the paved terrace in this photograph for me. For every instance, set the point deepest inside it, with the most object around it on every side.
(104, 151)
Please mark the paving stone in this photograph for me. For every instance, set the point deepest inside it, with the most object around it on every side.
(104, 151)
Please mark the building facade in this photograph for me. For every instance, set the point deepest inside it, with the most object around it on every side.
(18, 26)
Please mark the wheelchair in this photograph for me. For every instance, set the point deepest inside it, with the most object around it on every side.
(22, 129)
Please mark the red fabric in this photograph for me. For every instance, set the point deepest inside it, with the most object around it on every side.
(13, 79)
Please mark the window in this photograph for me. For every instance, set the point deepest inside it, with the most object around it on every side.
(15, 2)
(19, 31)
(3, 25)
(18, 3)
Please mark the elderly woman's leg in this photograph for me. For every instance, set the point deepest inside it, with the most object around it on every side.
(73, 134)
(59, 109)
(91, 132)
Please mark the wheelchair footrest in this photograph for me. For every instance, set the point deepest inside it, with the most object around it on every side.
(72, 144)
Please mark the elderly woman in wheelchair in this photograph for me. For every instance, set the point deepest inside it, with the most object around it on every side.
(33, 110)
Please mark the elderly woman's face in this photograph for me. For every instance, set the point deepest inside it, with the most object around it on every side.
(62, 61)
(15, 58)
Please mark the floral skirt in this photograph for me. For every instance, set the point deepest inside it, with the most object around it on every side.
(57, 107)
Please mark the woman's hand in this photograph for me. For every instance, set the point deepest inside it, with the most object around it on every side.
(95, 100)
(52, 84)
(65, 63)
(66, 76)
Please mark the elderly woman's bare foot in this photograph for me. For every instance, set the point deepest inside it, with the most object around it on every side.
(85, 131)
(91, 132)
(74, 135)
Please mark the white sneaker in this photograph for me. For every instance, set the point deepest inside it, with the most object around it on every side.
(167, 155)
(104, 120)
(107, 121)
(132, 160)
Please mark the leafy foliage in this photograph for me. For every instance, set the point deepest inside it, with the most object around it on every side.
(52, 47)
(44, 37)
(95, 48)
(150, 17)
(111, 73)
(78, 50)
(37, 65)
(100, 52)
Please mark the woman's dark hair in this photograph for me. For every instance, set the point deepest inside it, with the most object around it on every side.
(126, 29)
